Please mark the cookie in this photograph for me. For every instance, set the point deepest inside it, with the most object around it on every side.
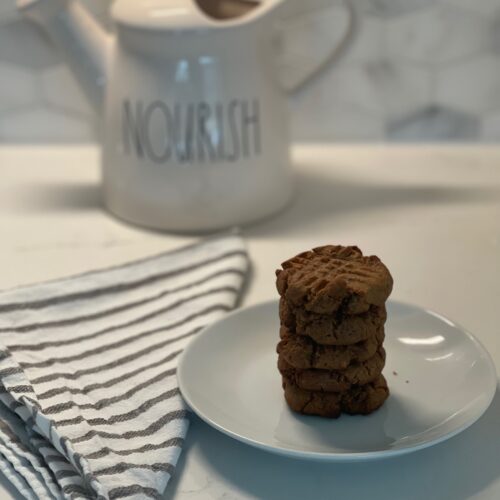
(336, 329)
(334, 380)
(333, 277)
(357, 400)
(303, 353)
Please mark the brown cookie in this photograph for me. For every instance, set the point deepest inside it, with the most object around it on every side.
(303, 353)
(334, 380)
(336, 329)
(362, 399)
(333, 277)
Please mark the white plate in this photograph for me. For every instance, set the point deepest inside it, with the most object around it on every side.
(441, 380)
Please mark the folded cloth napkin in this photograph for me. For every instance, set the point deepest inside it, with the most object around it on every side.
(89, 401)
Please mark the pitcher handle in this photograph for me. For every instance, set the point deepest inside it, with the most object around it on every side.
(292, 10)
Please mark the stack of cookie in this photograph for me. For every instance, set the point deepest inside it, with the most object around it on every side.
(332, 313)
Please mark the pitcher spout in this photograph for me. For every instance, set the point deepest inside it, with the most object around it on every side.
(83, 42)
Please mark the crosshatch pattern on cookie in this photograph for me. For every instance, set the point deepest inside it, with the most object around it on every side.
(334, 277)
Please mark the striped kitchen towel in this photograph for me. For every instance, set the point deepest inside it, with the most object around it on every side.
(89, 402)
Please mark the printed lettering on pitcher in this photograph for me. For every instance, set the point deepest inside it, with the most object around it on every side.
(194, 132)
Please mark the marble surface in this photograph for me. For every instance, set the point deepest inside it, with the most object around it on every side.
(408, 59)
(431, 213)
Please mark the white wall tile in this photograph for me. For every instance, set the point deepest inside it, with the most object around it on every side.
(417, 70)
(435, 124)
(437, 35)
(18, 87)
(399, 88)
(348, 83)
(24, 44)
(382, 88)
(8, 11)
(388, 8)
(495, 32)
(367, 44)
(490, 127)
(41, 124)
(60, 90)
(486, 7)
(472, 86)
(341, 120)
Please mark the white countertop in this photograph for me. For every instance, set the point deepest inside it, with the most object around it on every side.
(431, 213)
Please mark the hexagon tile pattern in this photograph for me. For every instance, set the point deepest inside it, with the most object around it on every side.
(438, 35)
(417, 70)
(47, 125)
(435, 124)
(62, 92)
(25, 45)
(470, 85)
(18, 88)
(389, 8)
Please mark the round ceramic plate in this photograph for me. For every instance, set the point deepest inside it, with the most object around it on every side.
(440, 377)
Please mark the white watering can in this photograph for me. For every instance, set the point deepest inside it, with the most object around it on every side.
(193, 100)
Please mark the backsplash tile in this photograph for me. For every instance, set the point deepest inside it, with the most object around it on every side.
(26, 46)
(45, 124)
(490, 127)
(18, 87)
(418, 70)
(471, 85)
(391, 8)
(334, 118)
(367, 44)
(60, 91)
(435, 124)
(400, 88)
(7, 11)
(438, 35)
(486, 7)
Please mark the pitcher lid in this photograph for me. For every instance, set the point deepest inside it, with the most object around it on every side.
(171, 14)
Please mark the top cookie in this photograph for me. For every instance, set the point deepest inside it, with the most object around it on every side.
(333, 277)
